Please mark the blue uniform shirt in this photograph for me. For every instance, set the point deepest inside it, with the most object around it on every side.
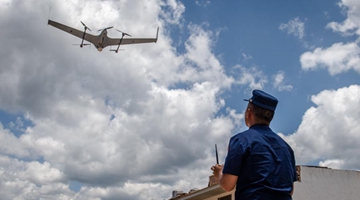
(264, 164)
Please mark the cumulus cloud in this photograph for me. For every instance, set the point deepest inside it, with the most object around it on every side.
(295, 27)
(352, 23)
(10, 144)
(279, 82)
(334, 163)
(202, 3)
(329, 131)
(20, 179)
(246, 57)
(252, 76)
(121, 124)
(336, 59)
(340, 57)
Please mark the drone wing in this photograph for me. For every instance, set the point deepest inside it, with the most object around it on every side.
(116, 41)
(88, 37)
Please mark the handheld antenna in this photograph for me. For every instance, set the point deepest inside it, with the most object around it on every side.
(217, 157)
(49, 12)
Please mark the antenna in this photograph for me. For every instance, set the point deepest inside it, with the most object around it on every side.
(49, 12)
(217, 157)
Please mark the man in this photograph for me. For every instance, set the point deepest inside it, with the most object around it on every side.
(259, 162)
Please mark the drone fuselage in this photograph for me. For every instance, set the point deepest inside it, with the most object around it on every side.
(101, 38)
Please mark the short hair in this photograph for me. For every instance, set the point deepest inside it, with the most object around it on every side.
(262, 114)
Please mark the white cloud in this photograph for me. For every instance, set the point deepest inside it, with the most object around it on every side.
(334, 164)
(339, 57)
(199, 53)
(10, 145)
(295, 27)
(336, 59)
(252, 77)
(115, 123)
(176, 11)
(202, 3)
(279, 82)
(41, 173)
(329, 132)
(19, 179)
(123, 125)
(246, 57)
(352, 24)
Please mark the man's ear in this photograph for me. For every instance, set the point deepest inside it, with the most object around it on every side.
(249, 113)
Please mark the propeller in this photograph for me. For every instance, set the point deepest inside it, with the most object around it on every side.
(82, 44)
(116, 50)
(123, 33)
(85, 26)
(105, 28)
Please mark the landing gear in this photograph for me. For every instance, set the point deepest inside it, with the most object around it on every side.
(83, 37)
(123, 34)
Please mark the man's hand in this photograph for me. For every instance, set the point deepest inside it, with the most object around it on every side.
(226, 181)
(217, 170)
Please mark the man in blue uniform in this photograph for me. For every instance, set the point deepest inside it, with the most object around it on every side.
(259, 162)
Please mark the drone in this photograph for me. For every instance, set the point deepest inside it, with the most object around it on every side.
(102, 40)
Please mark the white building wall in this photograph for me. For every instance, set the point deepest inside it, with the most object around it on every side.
(317, 183)
(327, 184)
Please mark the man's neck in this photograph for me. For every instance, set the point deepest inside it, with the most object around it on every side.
(258, 123)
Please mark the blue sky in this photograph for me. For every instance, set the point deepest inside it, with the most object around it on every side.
(81, 124)
(252, 29)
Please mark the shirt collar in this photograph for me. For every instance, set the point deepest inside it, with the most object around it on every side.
(260, 126)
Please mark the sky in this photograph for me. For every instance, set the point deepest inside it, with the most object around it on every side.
(80, 124)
